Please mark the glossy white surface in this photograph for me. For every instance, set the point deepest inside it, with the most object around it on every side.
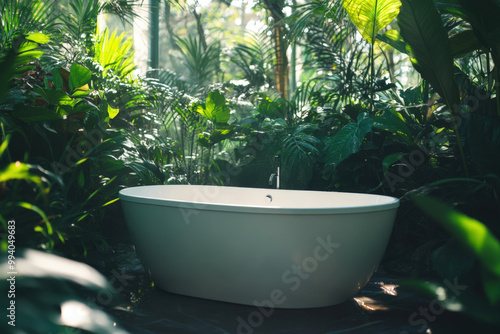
(262, 247)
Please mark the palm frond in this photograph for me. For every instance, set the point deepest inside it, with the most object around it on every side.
(124, 9)
(339, 60)
(202, 64)
(304, 97)
(115, 53)
(300, 20)
(81, 18)
(254, 58)
(20, 17)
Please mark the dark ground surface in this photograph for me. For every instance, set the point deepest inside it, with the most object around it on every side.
(380, 307)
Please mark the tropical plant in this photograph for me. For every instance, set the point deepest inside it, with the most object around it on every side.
(254, 58)
(27, 191)
(334, 54)
(53, 299)
(275, 128)
(55, 132)
(370, 17)
(413, 126)
(201, 62)
(19, 18)
(440, 72)
(114, 53)
(469, 263)
(22, 187)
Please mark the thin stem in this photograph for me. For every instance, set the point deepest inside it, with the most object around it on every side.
(488, 70)
(460, 149)
(390, 64)
(372, 76)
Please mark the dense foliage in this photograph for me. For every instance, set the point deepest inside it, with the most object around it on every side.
(78, 125)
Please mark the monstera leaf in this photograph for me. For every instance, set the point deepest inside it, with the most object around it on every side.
(371, 16)
(348, 140)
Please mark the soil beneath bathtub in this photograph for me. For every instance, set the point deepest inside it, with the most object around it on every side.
(140, 308)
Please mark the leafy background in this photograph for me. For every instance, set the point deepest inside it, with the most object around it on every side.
(400, 99)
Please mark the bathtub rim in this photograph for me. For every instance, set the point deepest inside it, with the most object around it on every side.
(125, 195)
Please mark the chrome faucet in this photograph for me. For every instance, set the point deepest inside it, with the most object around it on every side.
(277, 160)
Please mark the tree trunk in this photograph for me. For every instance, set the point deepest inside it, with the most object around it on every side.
(154, 56)
(293, 61)
(201, 32)
(171, 33)
(280, 45)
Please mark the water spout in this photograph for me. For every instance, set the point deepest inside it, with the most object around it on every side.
(277, 160)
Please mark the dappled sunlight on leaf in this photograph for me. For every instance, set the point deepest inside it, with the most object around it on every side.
(371, 16)
(112, 112)
(79, 315)
(18, 171)
(39, 264)
(471, 233)
(215, 108)
(474, 236)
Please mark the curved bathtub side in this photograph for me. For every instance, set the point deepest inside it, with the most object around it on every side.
(258, 200)
(292, 261)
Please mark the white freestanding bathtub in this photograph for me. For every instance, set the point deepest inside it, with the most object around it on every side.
(262, 247)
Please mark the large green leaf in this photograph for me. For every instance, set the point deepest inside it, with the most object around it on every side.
(393, 38)
(371, 16)
(456, 296)
(25, 54)
(463, 43)
(61, 292)
(79, 76)
(348, 140)
(7, 66)
(483, 16)
(473, 235)
(18, 171)
(38, 38)
(390, 160)
(215, 109)
(206, 139)
(428, 47)
(115, 53)
(299, 152)
(34, 114)
(112, 112)
(270, 108)
(55, 96)
(393, 121)
(5, 144)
